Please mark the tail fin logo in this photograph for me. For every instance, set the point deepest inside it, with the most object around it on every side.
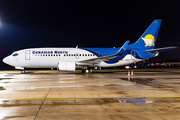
(149, 40)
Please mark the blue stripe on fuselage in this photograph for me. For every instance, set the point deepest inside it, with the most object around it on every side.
(138, 54)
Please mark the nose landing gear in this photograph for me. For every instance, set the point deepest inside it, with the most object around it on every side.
(86, 70)
(23, 71)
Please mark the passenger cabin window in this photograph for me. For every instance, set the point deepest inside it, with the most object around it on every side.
(15, 54)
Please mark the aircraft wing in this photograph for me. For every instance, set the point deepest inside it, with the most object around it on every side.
(104, 58)
(160, 49)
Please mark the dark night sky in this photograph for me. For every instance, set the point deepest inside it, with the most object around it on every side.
(35, 23)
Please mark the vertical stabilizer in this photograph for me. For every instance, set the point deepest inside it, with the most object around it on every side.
(149, 37)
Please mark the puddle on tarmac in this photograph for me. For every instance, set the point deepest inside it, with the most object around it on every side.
(143, 81)
(11, 117)
(24, 102)
(11, 103)
(39, 88)
(111, 85)
(2, 88)
(110, 100)
(149, 82)
(49, 87)
(4, 79)
(56, 102)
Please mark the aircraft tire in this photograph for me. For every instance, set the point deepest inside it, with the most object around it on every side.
(23, 71)
(85, 71)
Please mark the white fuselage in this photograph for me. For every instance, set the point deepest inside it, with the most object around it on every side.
(49, 58)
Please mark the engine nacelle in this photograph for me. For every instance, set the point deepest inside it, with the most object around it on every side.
(66, 66)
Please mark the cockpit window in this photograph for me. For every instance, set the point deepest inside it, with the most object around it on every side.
(15, 54)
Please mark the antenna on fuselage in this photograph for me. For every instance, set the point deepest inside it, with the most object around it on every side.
(77, 46)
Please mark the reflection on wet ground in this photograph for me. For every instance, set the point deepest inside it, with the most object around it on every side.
(37, 88)
(108, 95)
(135, 81)
(20, 102)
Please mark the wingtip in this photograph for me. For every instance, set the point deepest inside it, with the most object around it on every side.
(158, 20)
(126, 44)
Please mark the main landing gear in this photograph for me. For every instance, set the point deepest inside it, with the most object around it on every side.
(85, 71)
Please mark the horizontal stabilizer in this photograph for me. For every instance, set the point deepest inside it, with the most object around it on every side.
(160, 49)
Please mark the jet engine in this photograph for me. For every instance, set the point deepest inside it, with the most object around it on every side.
(66, 66)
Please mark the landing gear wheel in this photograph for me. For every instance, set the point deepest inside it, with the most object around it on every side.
(85, 71)
(23, 71)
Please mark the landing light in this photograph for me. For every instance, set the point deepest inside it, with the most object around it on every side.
(127, 67)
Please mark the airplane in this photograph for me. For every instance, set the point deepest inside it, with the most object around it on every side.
(68, 59)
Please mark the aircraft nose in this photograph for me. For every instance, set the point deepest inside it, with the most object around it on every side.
(6, 60)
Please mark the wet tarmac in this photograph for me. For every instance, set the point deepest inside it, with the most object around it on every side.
(102, 95)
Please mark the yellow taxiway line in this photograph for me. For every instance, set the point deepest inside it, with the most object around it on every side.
(93, 97)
